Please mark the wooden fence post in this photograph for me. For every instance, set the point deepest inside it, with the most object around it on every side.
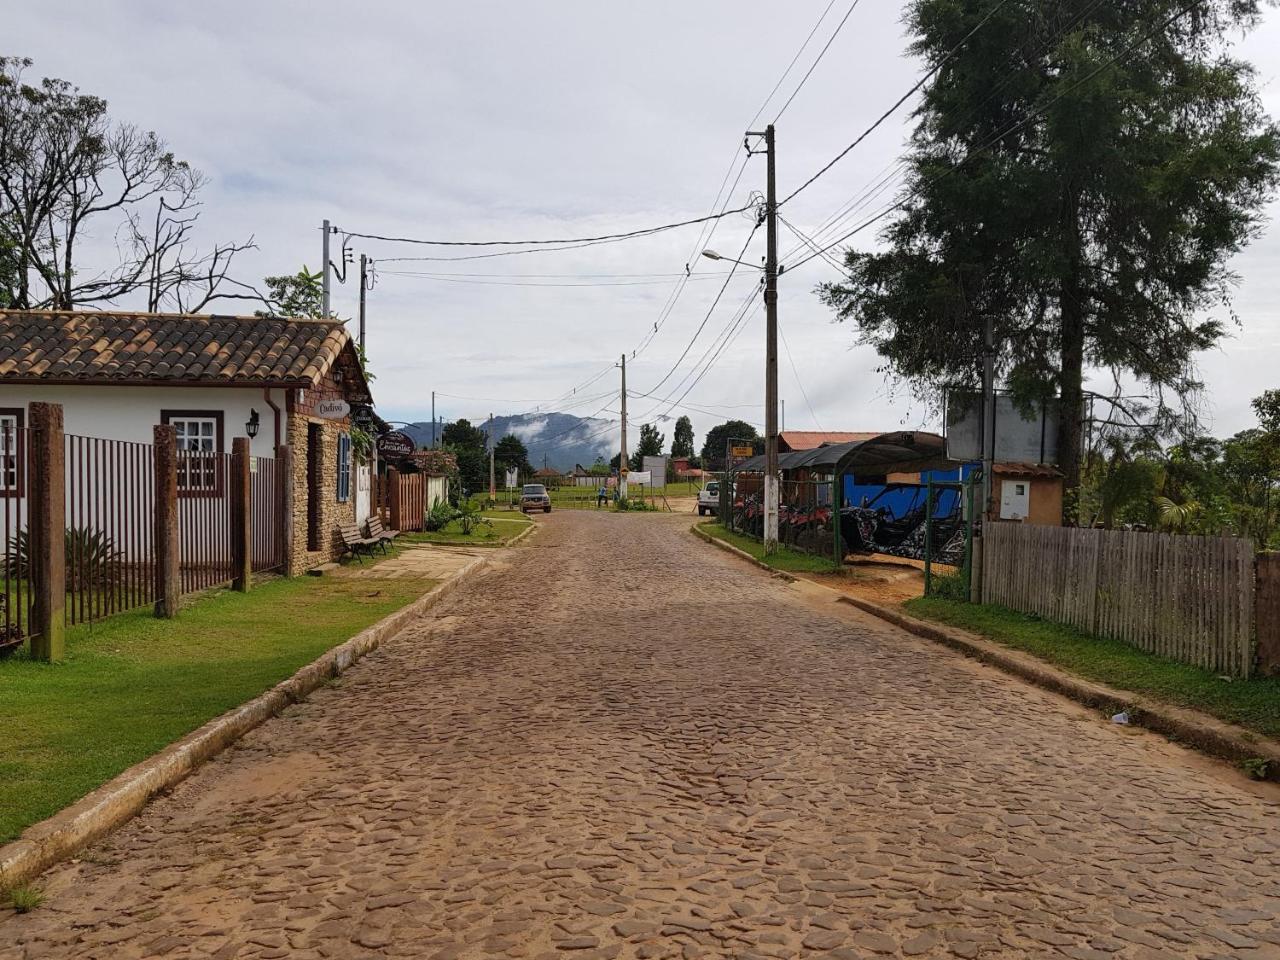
(284, 507)
(393, 498)
(47, 533)
(1267, 615)
(167, 549)
(241, 516)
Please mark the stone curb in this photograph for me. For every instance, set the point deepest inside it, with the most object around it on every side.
(480, 546)
(716, 541)
(98, 813)
(1192, 728)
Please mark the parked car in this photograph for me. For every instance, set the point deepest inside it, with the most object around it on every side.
(709, 499)
(534, 496)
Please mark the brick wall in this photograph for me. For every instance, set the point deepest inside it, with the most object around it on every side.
(329, 511)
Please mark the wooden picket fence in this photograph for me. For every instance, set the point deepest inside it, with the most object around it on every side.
(1187, 598)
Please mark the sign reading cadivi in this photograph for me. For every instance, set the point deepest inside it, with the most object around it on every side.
(333, 409)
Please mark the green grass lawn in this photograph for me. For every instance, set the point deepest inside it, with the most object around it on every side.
(502, 527)
(132, 684)
(792, 561)
(1251, 703)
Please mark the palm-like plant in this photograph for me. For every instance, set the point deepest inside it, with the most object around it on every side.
(92, 559)
(1178, 517)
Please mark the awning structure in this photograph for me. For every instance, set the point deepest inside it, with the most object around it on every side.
(907, 451)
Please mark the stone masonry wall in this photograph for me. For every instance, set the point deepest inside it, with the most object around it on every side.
(332, 512)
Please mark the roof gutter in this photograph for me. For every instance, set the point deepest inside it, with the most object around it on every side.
(266, 395)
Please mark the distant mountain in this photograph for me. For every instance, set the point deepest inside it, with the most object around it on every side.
(564, 439)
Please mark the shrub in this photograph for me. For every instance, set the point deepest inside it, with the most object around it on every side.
(469, 517)
(92, 559)
(439, 516)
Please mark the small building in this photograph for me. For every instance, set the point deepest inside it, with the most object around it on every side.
(582, 477)
(213, 378)
(549, 477)
(1026, 493)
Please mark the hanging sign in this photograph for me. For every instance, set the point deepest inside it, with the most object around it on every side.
(638, 477)
(332, 409)
(395, 445)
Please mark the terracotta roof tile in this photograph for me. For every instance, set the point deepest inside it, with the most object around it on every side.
(135, 347)
(812, 439)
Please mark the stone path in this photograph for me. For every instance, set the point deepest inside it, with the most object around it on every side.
(624, 743)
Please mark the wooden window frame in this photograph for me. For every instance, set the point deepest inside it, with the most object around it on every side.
(19, 488)
(167, 416)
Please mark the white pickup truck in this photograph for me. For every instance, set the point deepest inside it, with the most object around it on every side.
(709, 499)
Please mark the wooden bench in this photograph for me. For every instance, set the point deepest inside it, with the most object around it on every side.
(380, 533)
(353, 543)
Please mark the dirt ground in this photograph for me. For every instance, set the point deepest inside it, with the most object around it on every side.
(622, 742)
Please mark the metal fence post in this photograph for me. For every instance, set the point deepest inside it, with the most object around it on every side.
(284, 507)
(393, 498)
(167, 548)
(241, 512)
(928, 536)
(47, 533)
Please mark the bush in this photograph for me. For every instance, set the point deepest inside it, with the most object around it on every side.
(439, 516)
(469, 517)
(92, 559)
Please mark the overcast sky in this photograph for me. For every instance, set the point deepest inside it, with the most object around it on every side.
(556, 119)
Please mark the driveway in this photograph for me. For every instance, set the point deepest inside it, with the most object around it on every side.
(622, 742)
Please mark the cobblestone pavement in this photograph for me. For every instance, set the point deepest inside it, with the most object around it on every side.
(624, 743)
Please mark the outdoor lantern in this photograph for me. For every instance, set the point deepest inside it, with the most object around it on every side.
(251, 426)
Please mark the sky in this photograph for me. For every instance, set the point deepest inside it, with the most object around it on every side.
(516, 120)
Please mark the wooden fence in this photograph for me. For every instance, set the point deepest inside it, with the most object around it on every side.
(1187, 598)
(400, 499)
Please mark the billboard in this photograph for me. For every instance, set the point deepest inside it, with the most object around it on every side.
(656, 467)
(1019, 439)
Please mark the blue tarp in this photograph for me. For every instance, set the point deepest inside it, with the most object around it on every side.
(904, 499)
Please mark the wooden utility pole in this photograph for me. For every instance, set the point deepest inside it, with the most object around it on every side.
(364, 263)
(622, 459)
(771, 345)
(493, 488)
(433, 419)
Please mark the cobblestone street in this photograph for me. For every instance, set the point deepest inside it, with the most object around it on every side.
(621, 742)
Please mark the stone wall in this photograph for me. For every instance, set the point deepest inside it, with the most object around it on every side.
(330, 511)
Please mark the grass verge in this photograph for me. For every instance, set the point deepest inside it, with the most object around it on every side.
(502, 529)
(786, 559)
(133, 684)
(1254, 704)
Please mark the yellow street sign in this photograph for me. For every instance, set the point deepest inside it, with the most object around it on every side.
(741, 451)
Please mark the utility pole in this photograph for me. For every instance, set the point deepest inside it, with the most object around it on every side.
(433, 419)
(492, 448)
(771, 345)
(782, 428)
(324, 266)
(622, 459)
(988, 455)
(364, 263)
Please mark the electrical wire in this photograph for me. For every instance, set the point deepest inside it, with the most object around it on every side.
(898, 103)
(796, 373)
(813, 66)
(1013, 128)
(522, 283)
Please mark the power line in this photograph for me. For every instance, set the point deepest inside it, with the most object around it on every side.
(522, 283)
(796, 374)
(1013, 128)
(898, 103)
(818, 59)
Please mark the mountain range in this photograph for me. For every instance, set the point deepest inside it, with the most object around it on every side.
(561, 440)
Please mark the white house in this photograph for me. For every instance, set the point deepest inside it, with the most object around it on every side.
(213, 378)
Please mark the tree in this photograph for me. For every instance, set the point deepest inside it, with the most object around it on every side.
(1080, 174)
(67, 171)
(463, 436)
(650, 445)
(1267, 407)
(511, 454)
(682, 439)
(713, 448)
(299, 294)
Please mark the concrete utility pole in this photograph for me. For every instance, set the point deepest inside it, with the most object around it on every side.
(364, 262)
(988, 456)
(324, 266)
(622, 459)
(433, 419)
(771, 345)
(493, 489)
(782, 427)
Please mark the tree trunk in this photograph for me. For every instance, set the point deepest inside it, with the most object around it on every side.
(1071, 375)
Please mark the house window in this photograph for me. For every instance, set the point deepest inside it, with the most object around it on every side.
(344, 467)
(199, 436)
(12, 465)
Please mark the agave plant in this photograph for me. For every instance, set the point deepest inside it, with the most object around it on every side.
(439, 516)
(92, 559)
(469, 517)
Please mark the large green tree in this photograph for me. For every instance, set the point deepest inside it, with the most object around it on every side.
(649, 445)
(713, 447)
(463, 435)
(298, 294)
(511, 453)
(1080, 174)
(682, 438)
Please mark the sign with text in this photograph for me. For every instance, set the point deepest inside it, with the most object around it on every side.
(395, 445)
(639, 476)
(745, 452)
(333, 409)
